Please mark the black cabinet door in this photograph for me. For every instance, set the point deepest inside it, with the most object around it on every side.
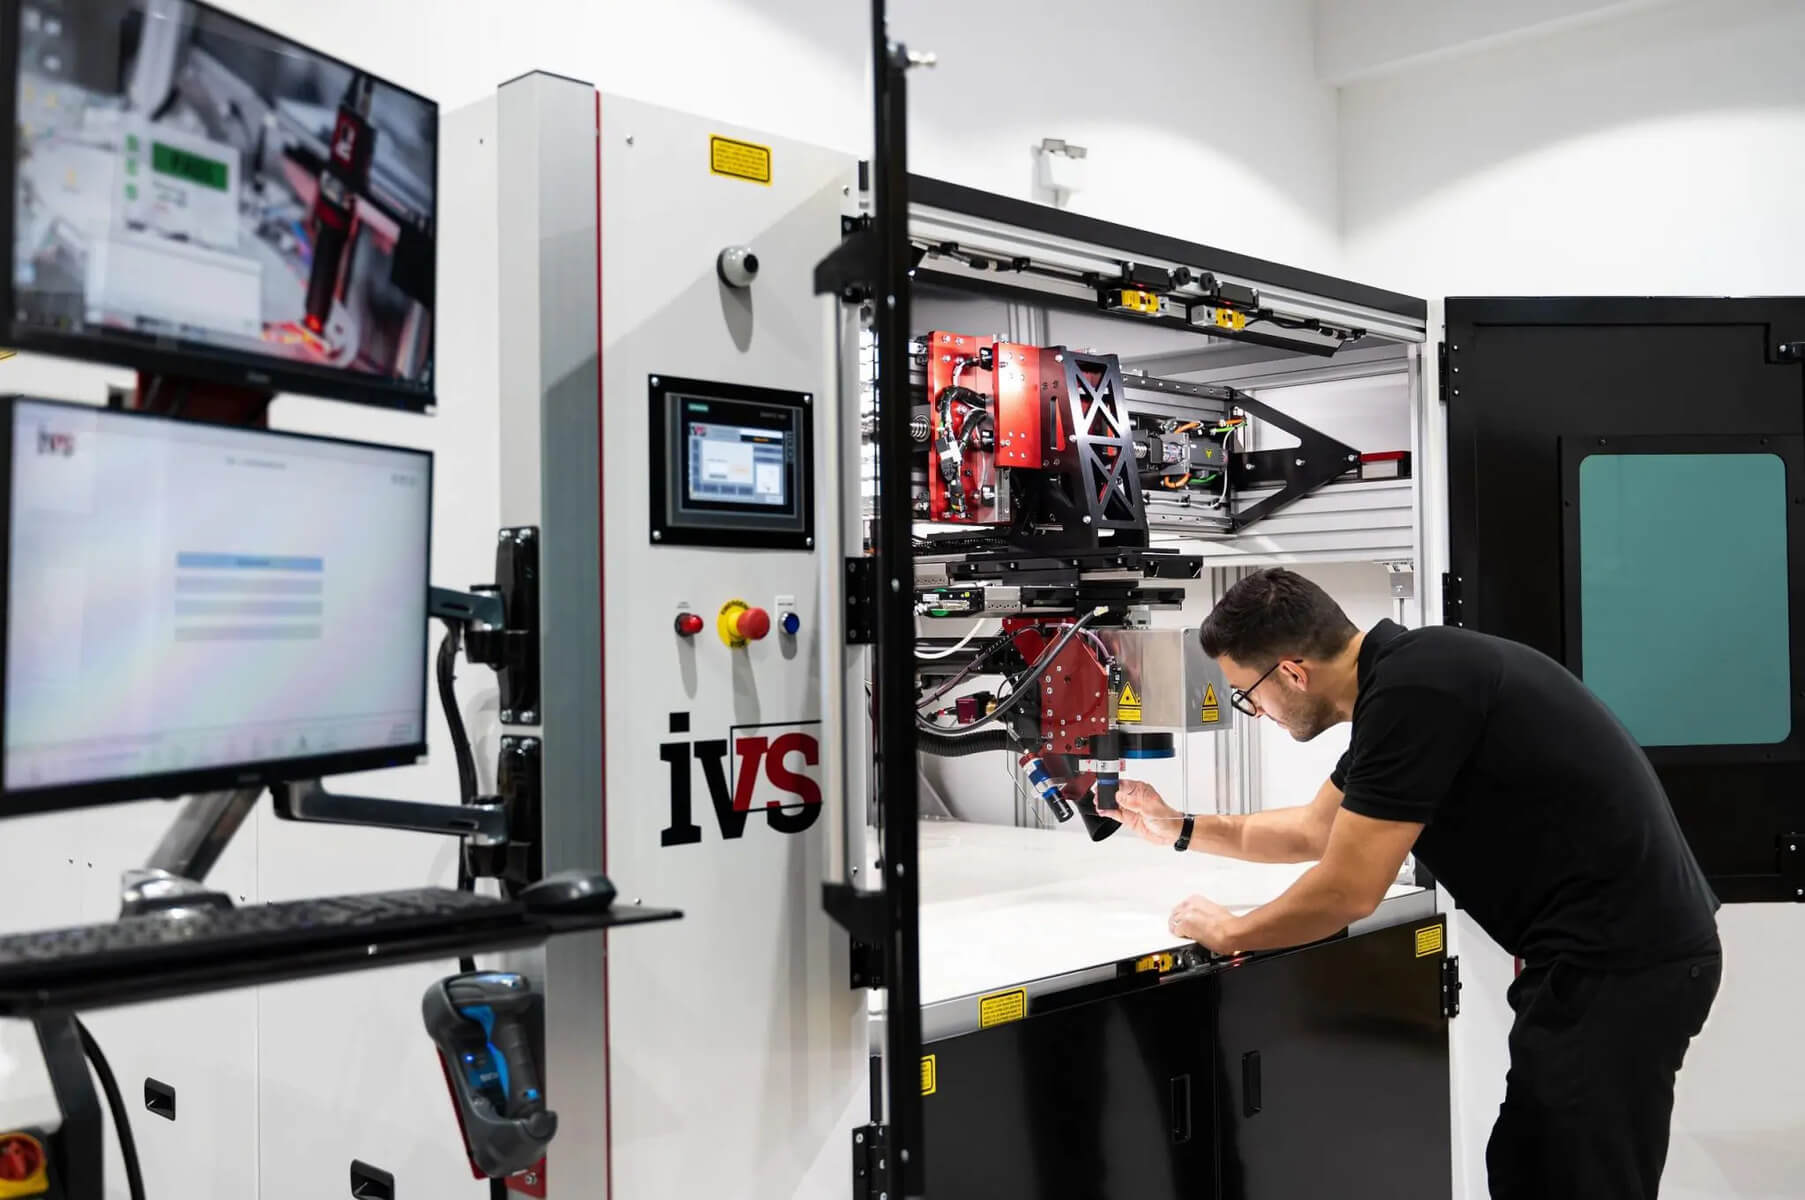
(1627, 494)
(1333, 1069)
(1097, 1101)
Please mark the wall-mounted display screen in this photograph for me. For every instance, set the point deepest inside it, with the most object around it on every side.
(193, 195)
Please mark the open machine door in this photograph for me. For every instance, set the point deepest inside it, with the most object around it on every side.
(1626, 492)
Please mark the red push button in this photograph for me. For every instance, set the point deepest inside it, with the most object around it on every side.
(752, 624)
(688, 624)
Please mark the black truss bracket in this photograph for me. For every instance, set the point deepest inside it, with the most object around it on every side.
(1450, 987)
(1792, 863)
(851, 269)
(861, 601)
(868, 1165)
(1316, 459)
(1453, 610)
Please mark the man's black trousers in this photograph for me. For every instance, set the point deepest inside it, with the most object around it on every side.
(1593, 1056)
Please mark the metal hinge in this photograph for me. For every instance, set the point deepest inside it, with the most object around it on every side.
(1790, 352)
(867, 965)
(1442, 370)
(861, 914)
(1450, 987)
(1453, 608)
(861, 601)
(850, 268)
(1792, 864)
(869, 1167)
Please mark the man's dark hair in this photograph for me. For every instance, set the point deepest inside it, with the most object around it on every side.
(1275, 614)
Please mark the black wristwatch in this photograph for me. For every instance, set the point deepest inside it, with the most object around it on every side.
(1184, 835)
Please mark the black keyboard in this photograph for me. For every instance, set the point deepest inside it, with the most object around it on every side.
(166, 941)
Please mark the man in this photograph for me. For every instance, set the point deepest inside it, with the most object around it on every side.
(1538, 812)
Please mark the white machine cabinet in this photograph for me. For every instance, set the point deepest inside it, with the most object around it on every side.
(663, 361)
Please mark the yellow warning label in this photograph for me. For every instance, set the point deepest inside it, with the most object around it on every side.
(1161, 963)
(1212, 716)
(1000, 1008)
(739, 160)
(1209, 695)
(930, 1082)
(1428, 941)
(1128, 708)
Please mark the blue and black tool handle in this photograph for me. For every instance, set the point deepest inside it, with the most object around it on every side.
(483, 1023)
(502, 1006)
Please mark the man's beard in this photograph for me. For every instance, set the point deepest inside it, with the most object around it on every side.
(1314, 715)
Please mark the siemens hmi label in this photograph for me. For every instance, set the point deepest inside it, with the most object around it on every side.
(739, 160)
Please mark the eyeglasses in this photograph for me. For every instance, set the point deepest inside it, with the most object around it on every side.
(1239, 697)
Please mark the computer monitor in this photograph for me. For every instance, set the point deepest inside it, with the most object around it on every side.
(195, 196)
(193, 607)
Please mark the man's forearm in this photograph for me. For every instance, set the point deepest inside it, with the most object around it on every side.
(1311, 909)
(1281, 835)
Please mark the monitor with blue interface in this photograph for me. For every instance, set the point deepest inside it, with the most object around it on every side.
(193, 195)
(730, 465)
(191, 607)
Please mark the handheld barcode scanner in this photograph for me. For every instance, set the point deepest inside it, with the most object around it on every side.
(482, 1023)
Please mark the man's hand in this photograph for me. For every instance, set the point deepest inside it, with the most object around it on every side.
(1205, 922)
(1140, 809)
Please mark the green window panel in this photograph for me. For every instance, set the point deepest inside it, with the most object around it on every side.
(1683, 595)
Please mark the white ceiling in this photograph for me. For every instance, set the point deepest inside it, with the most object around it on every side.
(1358, 40)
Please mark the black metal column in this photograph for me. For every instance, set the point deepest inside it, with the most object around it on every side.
(77, 1160)
(895, 655)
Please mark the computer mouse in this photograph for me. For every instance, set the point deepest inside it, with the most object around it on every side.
(572, 891)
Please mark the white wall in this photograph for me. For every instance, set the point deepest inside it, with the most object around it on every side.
(1132, 90)
(1661, 152)
(1364, 39)
(1656, 154)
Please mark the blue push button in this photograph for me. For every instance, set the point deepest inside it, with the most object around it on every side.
(790, 623)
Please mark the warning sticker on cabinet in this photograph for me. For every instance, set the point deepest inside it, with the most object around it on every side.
(930, 1083)
(739, 160)
(1428, 941)
(1211, 712)
(1000, 1008)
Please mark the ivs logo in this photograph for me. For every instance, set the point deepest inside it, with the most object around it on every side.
(771, 769)
(60, 444)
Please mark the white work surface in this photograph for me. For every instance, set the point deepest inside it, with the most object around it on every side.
(1002, 906)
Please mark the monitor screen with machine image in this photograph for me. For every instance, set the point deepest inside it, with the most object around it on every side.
(195, 606)
(195, 195)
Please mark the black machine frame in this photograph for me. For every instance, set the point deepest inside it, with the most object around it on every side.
(198, 360)
(1521, 374)
(875, 264)
(1790, 450)
(176, 783)
(1140, 243)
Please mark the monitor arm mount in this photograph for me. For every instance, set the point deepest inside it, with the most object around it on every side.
(499, 629)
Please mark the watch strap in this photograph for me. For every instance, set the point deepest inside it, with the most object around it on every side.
(1184, 834)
